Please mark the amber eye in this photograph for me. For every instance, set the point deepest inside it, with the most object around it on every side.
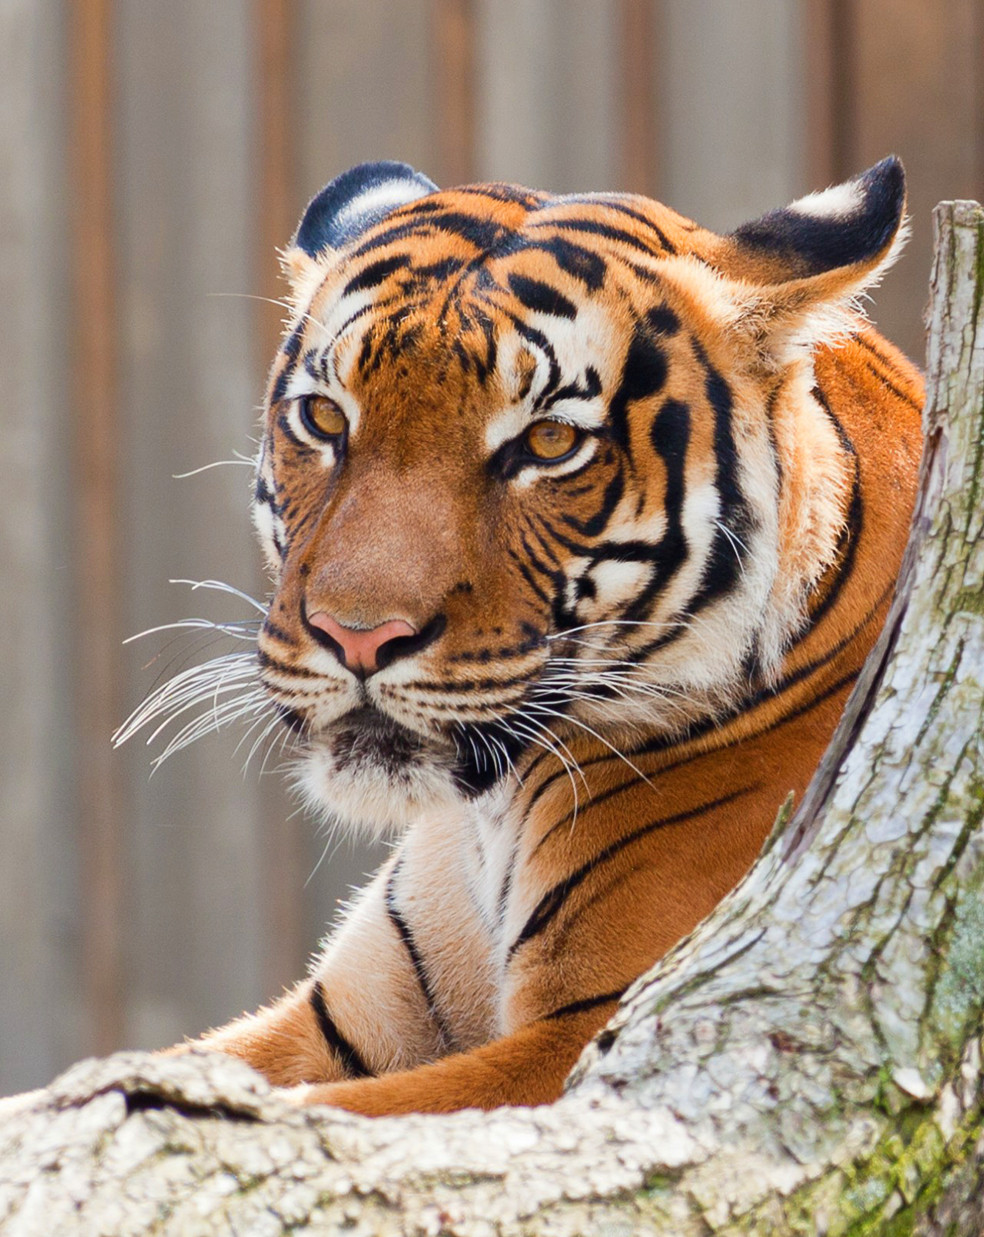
(322, 417)
(551, 440)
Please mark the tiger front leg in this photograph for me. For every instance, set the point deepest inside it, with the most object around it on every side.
(360, 1014)
(526, 1068)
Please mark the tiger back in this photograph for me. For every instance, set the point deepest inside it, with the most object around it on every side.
(581, 521)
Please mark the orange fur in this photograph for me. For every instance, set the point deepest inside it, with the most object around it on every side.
(514, 912)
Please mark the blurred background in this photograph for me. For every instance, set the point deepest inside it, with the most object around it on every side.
(153, 153)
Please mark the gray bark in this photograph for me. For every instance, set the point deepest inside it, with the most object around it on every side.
(808, 1061)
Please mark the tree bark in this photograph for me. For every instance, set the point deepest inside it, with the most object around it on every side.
(808, 1061)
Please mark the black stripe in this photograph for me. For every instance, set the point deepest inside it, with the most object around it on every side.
(291, 346)
(595, 525)
(263, 494)
(283, 424)
(622, 209)
(372, 275)
(354, 1065)
(637, 780)
(278, 633)
(484, 234)
(643, 375)
(598, 229)
(712, 723)
(295, 672)
(890, 365)
(725, 562)
(502, 191)
(663, 320)
(543, 568)
(406, 936)
(851, 536)
(670, 435)
(887, 382)
(533, 336)
(554, 899)
(281, 382)
(578, 1007)
(530, 579)
(541, 297)
(574, 260)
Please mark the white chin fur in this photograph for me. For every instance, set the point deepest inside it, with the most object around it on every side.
(372, 800)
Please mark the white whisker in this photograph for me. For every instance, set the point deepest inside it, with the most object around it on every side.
(193, 472)
(576, 721)
(222, 587)
(735, 542)
(243, 630)
(538, 736)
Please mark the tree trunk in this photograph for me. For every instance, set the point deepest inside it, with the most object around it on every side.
(808, 1061)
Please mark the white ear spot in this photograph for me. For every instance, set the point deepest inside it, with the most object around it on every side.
(838, 202)
(375, 202)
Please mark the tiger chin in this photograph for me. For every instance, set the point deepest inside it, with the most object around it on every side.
(581, 520)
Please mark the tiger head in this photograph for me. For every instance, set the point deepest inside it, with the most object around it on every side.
(535, 463)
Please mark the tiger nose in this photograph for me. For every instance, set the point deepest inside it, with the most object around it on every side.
(361, 650)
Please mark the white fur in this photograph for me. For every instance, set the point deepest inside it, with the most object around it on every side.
(837, 202)
(378, 200)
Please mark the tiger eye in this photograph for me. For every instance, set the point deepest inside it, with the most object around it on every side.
(322, 417)
(549, 440)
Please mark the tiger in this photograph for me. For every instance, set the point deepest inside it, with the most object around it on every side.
(580, 520)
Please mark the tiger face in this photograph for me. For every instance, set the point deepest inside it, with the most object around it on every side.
(532, 464)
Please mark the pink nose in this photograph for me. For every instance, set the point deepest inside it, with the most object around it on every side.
(360, 648)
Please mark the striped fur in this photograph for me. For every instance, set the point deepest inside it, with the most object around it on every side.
(625, 657)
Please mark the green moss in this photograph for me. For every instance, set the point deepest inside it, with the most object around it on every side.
(902, 1224)
(658, 1183)
(958, 996)
(970, 601)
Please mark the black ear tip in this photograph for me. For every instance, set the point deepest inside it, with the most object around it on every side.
(355, 200)
(884, 185)
(847, 224)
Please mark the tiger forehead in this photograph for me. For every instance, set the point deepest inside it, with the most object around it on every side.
(506, 318)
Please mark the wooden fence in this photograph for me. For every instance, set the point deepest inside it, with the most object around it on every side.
(154, 153)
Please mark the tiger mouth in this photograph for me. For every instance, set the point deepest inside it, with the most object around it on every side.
(368, 738)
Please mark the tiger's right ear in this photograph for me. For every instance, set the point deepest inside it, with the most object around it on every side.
(797, 272)
(840, 237)
(347, 207)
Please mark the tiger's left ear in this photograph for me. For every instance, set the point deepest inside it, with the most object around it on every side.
(802, 266)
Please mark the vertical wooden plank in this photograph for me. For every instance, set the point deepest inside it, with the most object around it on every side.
(732, 105)
(96, 621)
(274, 32)
(454, 65)
(843, 74)
(541, 119)
(917, 91)
(828, 57)
(364, 81)
(40, 1005)
(190, 384)
(820, 96)
(638, 120)
(282, 850)
(513, 123)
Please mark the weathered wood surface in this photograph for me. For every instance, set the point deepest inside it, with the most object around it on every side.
(808, 1061)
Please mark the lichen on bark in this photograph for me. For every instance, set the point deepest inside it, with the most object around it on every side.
(809, 1060)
